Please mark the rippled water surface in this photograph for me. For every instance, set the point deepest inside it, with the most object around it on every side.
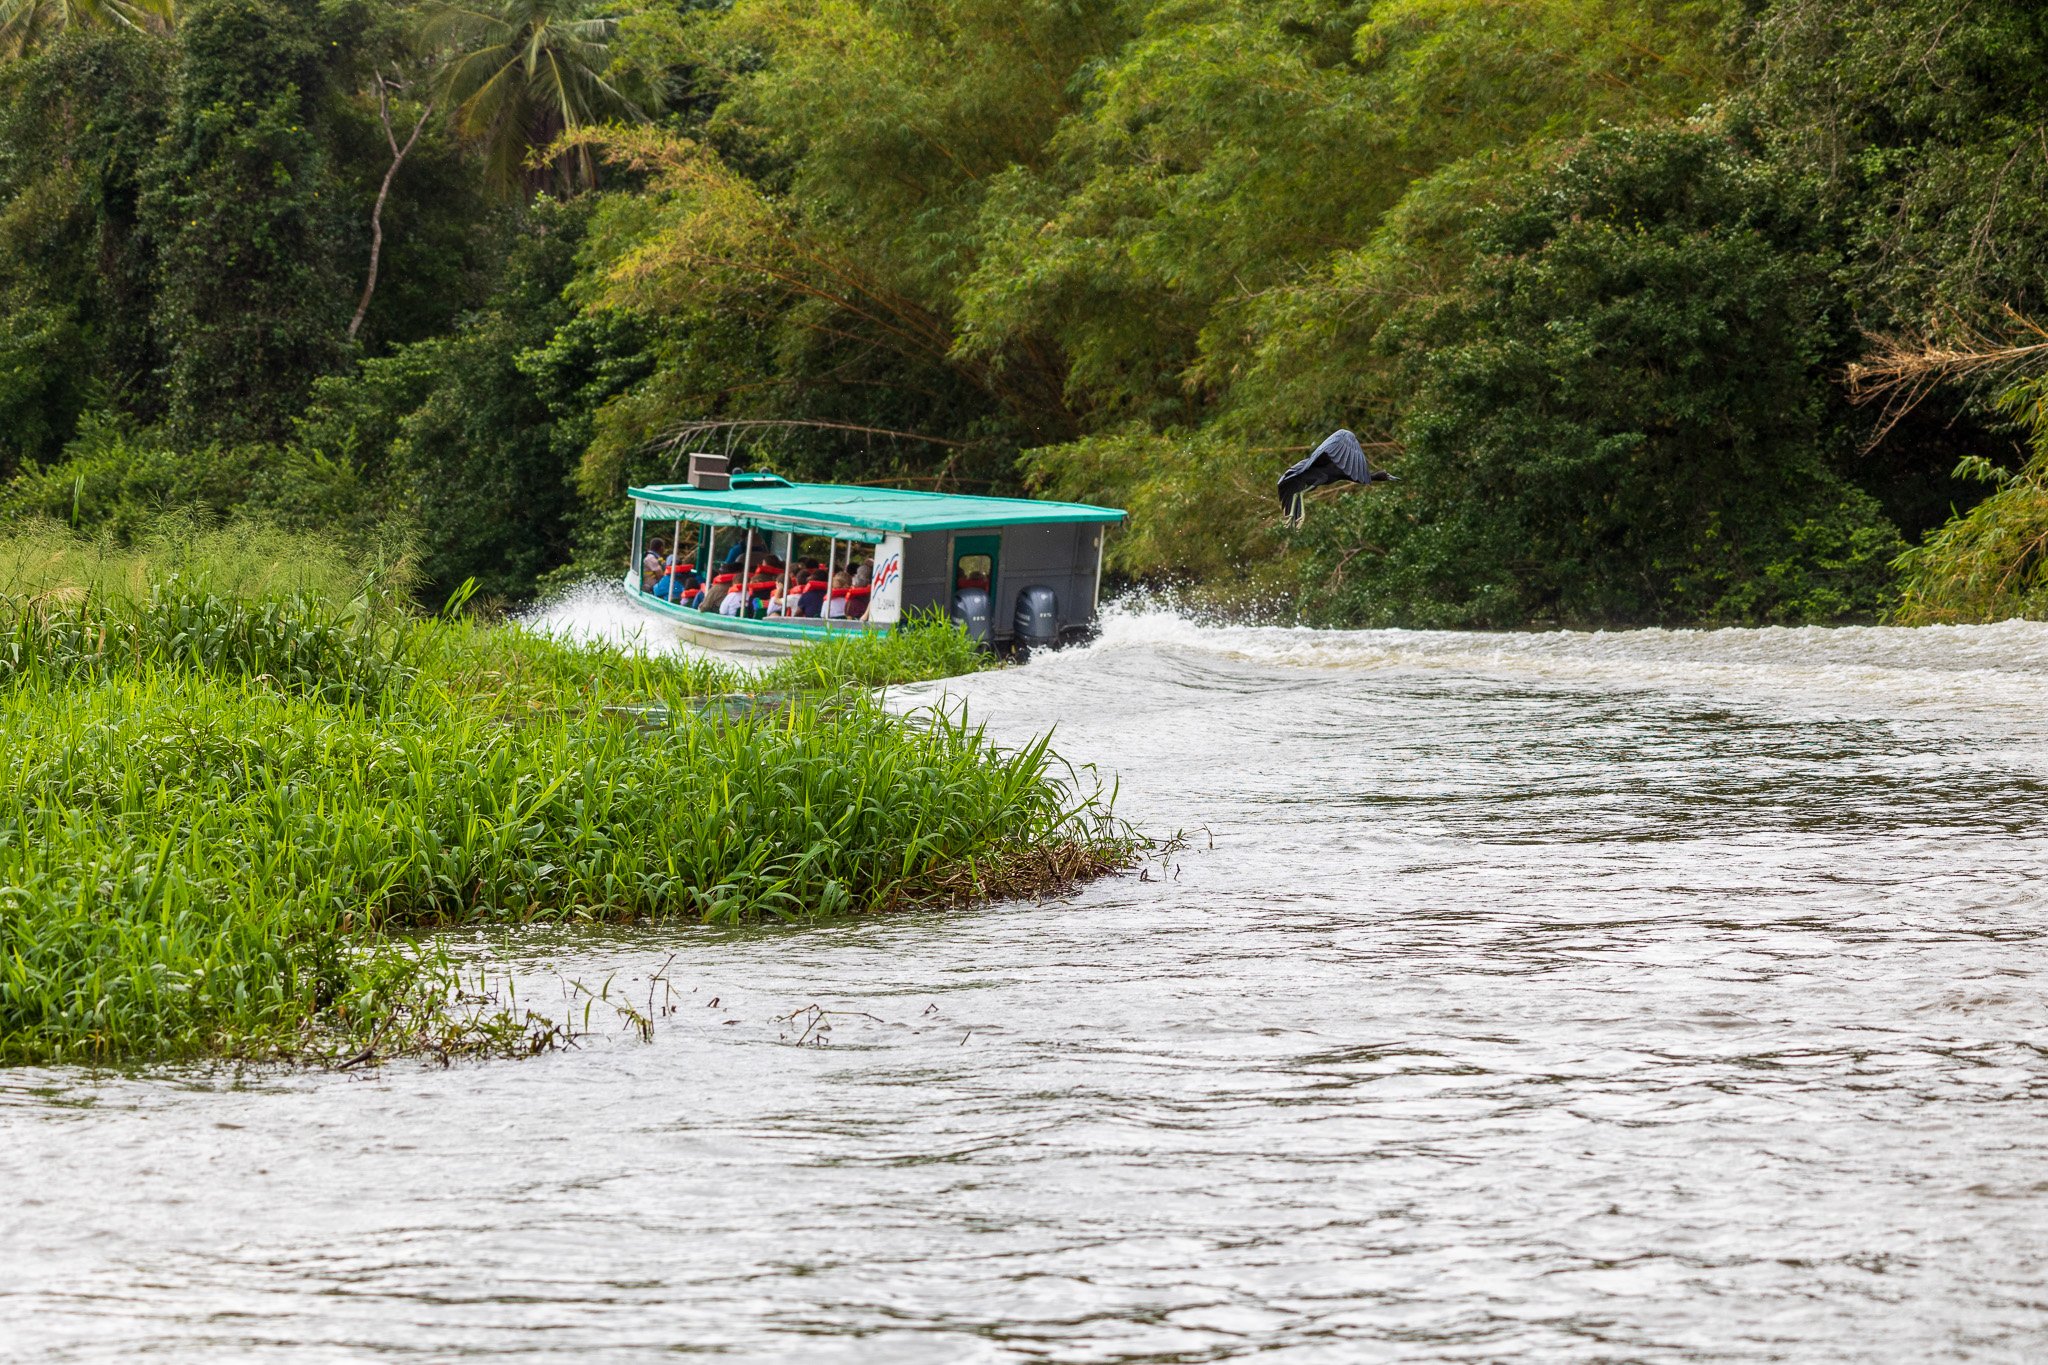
(1643, 997)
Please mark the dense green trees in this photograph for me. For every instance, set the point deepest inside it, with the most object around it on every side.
(474, 436)
(1589, 271)
(1626, 413)
(76, 314)
(242, 211)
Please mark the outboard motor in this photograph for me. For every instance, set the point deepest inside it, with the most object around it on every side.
(971, 611)
(1038, 619)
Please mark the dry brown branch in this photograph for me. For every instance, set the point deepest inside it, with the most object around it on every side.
(688, 432)
(1900, 372)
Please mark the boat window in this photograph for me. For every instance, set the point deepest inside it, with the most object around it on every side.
(972, 571)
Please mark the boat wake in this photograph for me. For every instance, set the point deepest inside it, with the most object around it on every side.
(1991, 665)
(598, 612)
(1995, 666)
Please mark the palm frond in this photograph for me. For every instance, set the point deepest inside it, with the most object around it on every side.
(521, 74)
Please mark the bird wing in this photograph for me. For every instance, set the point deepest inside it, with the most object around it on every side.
(1338, 458)
(1346, 455)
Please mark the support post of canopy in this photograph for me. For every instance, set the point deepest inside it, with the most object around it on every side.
(746, 568)
(639, 539)
(710, 552)
(831, 572)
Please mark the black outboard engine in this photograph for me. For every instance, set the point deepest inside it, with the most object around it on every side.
(973, 614)
(1038, 619)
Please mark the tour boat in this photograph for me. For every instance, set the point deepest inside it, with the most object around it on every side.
(1016, 573)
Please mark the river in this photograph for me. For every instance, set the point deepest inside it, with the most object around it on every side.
(1650, 996)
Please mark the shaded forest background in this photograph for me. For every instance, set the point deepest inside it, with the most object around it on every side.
(1600, 279)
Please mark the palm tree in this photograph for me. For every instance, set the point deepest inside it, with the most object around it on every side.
(518, 77)
(26, 25)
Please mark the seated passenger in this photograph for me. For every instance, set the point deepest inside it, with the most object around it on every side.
(835, 601)
(812, 602)
(857, 603)
(734, 603)
(678, 582)
(758, 590)
(715, 595)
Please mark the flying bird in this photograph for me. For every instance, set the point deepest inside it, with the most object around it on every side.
(1339, 458)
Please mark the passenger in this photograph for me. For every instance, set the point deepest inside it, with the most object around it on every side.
(856, 603)
(734, 603)
(812, 602)
(653, 564)
(835, 600)
(678, 582)
(865, 574)
(745, 548)
(715, 595)
(764, 581)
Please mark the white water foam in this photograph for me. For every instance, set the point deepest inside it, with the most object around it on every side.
(2000, 665)
(598, 612)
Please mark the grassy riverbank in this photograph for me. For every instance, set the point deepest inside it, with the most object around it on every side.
(241, 774)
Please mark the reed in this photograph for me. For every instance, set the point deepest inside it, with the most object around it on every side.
(926, 647)
(232, 810)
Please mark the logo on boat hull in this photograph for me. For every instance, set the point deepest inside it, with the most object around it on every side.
(885, 607)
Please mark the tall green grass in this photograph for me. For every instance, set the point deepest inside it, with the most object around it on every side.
(243, 603)
(927, 646)
(231, 798)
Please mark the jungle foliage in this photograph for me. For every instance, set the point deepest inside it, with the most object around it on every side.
(1587, 273)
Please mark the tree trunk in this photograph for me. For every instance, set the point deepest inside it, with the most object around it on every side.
(398, 155)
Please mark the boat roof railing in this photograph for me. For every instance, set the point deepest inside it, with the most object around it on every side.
(850, 511)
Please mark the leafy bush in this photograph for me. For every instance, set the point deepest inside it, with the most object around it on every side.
(1990, 562)
(115, 480)
(1625, 414)
(472, 439)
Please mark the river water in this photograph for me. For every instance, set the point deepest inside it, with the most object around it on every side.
(1631, 997)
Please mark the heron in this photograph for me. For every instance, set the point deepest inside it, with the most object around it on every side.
(1338, 459)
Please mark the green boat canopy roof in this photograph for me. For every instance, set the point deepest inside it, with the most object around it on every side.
(755, 500)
